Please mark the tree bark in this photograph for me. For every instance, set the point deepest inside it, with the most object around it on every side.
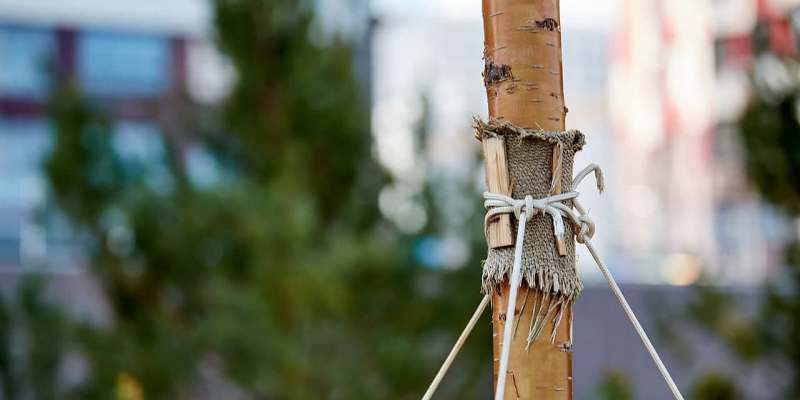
(524, 85)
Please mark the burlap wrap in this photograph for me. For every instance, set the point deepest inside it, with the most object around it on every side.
(529, 154)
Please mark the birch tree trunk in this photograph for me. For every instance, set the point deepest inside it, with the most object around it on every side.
(524, 85)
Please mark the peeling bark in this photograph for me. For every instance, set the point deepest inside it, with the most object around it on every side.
(495, 73)
(549, 24)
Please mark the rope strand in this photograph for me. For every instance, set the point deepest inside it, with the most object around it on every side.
(456, 348)
(634, 321)
(508, 327)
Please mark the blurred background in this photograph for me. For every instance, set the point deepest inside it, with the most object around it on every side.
(245, 199)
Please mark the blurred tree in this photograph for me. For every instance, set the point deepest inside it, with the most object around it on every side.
(769, 135)
(32, 344)
(281, 277)
(615, 385)
(715, 387)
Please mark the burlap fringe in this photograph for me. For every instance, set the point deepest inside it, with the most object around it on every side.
(543, 279)
(559, 287)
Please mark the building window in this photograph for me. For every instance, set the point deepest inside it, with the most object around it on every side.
(34, 235)
(123, 65)
(141, 149)
(26, 54)
(23, 144)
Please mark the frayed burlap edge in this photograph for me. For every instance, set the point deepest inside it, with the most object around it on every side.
(501, 127)
(548, 281)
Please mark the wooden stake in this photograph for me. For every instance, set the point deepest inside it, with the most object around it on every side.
(494, 150)
(561, 247)
(524, 85)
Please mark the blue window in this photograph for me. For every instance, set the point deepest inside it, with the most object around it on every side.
(141, 148)
(33, 233)
(123, 65)
(23, 144)
(26, 55)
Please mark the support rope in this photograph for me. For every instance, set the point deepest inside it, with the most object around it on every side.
(524, 210)
(456, 348)
(634, 321)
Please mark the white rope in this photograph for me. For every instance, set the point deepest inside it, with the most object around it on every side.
(516, 279)
(497, 204)
(636, 326)
(456, 348)
(524, 210)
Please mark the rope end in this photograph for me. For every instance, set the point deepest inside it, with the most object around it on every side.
(561, 246)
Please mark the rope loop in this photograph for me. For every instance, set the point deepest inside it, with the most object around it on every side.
(586, 229)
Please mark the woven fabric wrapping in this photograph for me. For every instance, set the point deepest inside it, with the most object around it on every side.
(529, 154)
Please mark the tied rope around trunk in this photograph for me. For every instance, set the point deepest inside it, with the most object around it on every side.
(523, 210)
(497, 204)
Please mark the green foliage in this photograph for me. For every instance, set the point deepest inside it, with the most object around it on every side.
(8, 372)
(715, 387)
(614, 386)
(769, 135)
(780, 324)
(82, 164)
(716, 311)
(32, 349)
(303, 122)
(282, 277)
(772, 147)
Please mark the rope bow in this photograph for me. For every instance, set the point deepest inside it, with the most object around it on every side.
(555, 205)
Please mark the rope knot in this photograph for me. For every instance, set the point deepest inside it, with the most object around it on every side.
(528, 204)
(537, 205)
(557, 206)
(586, 228)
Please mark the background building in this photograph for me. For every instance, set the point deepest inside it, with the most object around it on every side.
(131, 58)
(137, 61)
(681, 76)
